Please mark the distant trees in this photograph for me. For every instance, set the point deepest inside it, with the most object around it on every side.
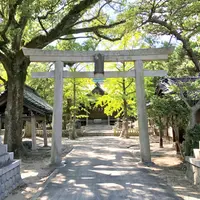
(189, 94)
(169, 111)
(75, 92)
(119, 97)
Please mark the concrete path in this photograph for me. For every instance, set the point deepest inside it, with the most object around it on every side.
(103, 168)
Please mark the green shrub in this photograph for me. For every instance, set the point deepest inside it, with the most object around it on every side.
(192, 139)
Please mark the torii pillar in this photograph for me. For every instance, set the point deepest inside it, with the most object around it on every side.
(56, 147)
(142, 113)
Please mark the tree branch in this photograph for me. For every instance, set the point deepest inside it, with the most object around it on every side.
(3, 59)
(3, 80)
(130, 93)
(183, 97)
(74, 38)
(120, 10)
(40, 22)
(11, 19)
(197, 105)
(63, 27)
(129, 84)
(186, 44)
(194, 31)
(5, 50)
(121, 82)
(95, 28)
(153, 9)
(95, 17)
(98, 34)
(118, 69)
(50, 12)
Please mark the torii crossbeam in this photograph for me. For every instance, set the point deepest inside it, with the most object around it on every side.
(99, 57)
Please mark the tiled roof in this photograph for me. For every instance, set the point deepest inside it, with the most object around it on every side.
(32, 99)
(98, 90)
(164, 84)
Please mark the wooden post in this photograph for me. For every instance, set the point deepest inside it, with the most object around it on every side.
(86, 121)
(142, 114)
(56, 148)
(108, 120)
(0, 124)
(33, 131)
(45, 133)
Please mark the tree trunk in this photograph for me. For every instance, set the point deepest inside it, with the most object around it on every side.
(176, 131)
(161, 137)
(192, 123)
(192, 117)
(28, 129)
(125, 122)
(73, 135)
(64, 122)
(14, 108)
(161, 133)
(167, 127)
(44, 127)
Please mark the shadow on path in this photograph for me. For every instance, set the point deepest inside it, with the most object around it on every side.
(103, 168)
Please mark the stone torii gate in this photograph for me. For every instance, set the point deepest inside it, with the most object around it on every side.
(99, 57)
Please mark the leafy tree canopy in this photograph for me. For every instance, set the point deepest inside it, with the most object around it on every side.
(177, 18)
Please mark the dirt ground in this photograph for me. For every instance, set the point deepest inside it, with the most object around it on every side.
(168, 166)
(35, 170)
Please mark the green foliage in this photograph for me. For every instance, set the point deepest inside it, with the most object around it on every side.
(82, 89)
(159, 108)
(77, 89)
(188, 91)
(3, 78)
(45, 87)
(178, 19)
(120, 94)
(192, 139)
(38, 23)
(168, 107)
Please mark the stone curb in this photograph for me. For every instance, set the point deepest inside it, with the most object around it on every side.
(44, 185)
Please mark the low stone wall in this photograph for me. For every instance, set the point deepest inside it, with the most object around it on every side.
(193, 170)
(39, 132)
(10, 178)
(131, 132)
(65, 133)
(193, 166)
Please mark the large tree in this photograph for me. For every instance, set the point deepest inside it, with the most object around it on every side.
(36, 24)
(177, 18)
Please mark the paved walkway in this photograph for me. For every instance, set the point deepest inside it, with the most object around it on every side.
(103, 168)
